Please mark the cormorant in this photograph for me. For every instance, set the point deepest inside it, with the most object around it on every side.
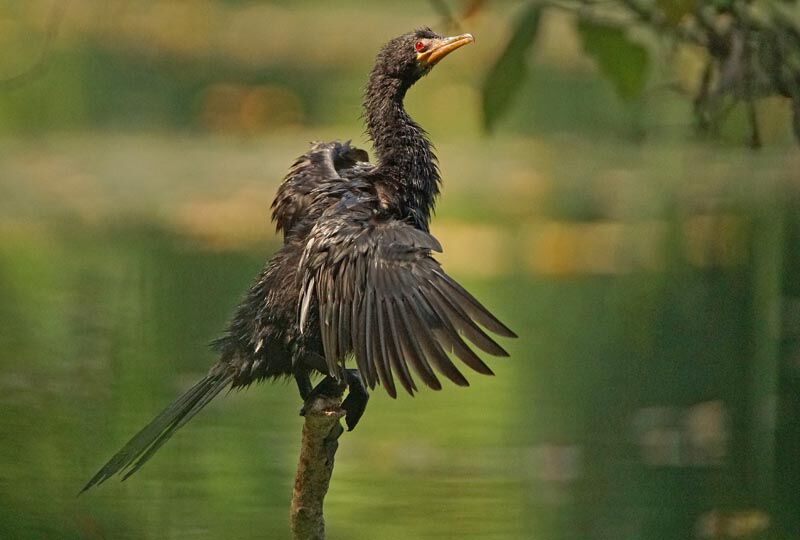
(355, 277)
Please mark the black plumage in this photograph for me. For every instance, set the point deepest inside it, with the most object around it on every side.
(355, 277)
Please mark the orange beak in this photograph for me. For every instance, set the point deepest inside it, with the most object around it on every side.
(440, 48)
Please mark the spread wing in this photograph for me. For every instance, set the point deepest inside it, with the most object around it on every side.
(324, 162)
(382, 297)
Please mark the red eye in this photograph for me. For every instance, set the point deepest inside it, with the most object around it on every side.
(419, 46)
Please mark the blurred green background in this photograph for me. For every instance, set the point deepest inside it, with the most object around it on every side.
(654, 392)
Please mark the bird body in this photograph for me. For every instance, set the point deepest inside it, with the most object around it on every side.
(355, 277)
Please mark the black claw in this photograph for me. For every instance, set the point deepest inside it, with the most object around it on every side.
(355, 403)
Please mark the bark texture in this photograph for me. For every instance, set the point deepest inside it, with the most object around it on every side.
(321, 432)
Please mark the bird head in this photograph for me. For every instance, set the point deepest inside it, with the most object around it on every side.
(413, 55)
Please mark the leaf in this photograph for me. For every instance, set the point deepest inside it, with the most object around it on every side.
(508, 72)
(619, 59)
(676, 10)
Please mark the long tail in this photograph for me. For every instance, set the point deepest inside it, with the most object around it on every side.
(145, 443)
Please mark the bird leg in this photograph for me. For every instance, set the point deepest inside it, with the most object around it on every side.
(303, 385)
(355, 403)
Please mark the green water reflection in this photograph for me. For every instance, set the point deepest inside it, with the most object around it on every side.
(640, 402)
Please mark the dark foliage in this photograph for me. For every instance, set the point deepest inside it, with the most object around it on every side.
(753, 51)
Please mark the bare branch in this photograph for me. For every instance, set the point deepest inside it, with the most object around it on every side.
(321, 432)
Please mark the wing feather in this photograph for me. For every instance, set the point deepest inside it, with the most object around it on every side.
(433, 350)
(399, 365)
(384, 299)
(380, 351)
(368, 322)
(450, 336)
(462, 321)
(475, 308)
(413, 352)
(405, 334)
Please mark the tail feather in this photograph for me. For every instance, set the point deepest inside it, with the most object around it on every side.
(145, 443)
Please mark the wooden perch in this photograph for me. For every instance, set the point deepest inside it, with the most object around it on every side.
(321, 432)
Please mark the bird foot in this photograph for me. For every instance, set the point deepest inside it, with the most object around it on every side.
(355, 403)
(329, 386)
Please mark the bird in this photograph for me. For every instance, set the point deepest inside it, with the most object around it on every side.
(355, 278)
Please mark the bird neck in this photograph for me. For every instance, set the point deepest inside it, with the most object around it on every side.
(407, 173)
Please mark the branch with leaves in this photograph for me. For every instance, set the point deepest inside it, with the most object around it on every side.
(752, 51)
